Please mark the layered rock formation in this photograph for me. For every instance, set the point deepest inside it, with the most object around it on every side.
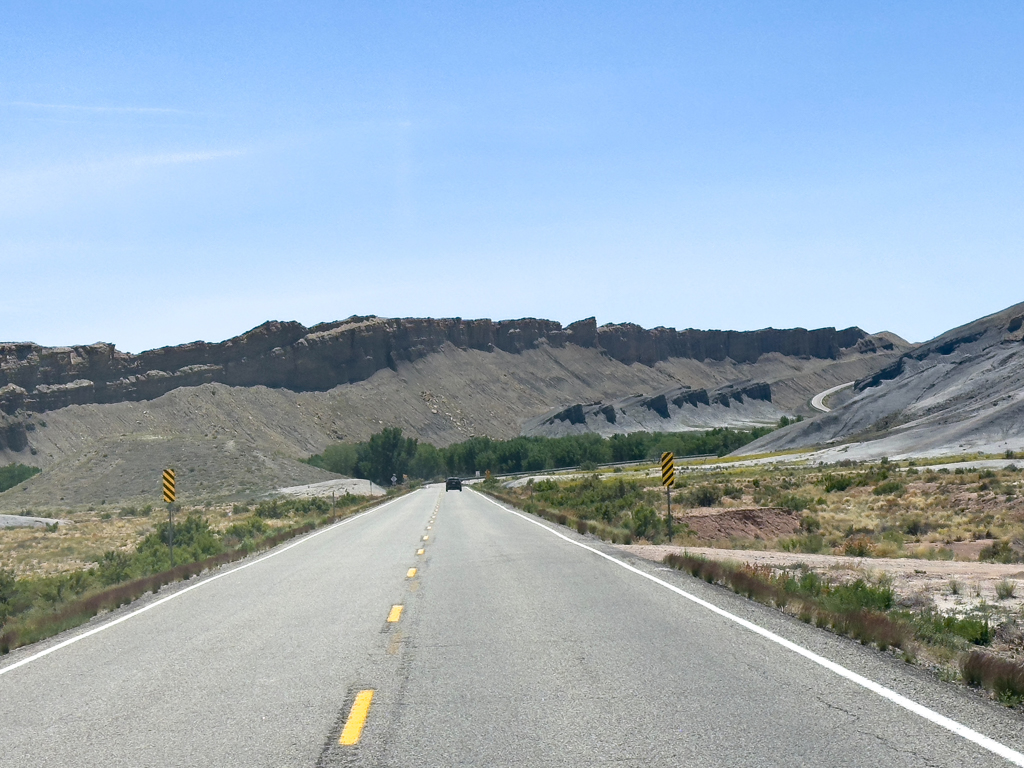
(289, 355)
(671, 410)
(963, 391)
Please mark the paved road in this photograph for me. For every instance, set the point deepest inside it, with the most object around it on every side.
(514, 647)
(818, 401)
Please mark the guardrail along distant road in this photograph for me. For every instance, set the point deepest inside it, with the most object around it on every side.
(443, 630)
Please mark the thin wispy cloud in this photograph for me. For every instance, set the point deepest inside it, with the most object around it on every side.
(33, 189)
(177, 158)
(87, 108)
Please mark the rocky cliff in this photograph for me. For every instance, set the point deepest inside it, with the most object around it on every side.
(289, 355)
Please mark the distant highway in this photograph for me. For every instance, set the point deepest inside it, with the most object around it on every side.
(818, 401)
(446, 630)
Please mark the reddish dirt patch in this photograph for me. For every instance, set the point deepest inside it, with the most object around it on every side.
(754, 523)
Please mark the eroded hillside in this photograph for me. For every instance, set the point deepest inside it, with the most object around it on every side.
(961, 392)
(234, 440)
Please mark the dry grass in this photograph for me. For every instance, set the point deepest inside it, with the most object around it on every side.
(87, 534)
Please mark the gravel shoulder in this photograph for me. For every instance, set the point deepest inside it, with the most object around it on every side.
(912, 578)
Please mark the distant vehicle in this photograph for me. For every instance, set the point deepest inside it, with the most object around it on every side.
(452, 484)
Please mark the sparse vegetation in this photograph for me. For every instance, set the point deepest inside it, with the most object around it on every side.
(1004, 677)
(13, 474)
(1005, 589)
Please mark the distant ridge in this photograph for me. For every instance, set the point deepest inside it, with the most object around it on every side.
(288, 355)
(235, 418)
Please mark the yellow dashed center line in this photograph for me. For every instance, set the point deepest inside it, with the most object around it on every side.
(356, 719)
(425, 538)
(410, 573)
(419, 551)
(396, 613)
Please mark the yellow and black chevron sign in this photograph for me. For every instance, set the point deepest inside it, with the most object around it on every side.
(668, 469)
(169, 485)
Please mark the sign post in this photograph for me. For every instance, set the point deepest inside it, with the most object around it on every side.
(169, 497)
(668, 479)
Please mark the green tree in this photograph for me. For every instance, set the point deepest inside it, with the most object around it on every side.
(340, 458)
(386, 454)
(13, 474)
(427, 462)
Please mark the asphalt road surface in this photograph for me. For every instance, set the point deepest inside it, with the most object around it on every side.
(818, 401)
(510, 645)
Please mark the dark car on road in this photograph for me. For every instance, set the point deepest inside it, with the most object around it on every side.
(452, 484)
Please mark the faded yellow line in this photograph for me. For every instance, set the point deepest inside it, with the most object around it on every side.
(425, 538)
(419, 551)
(396, 613)
(356, 719)
(410, 573)
(396, 644)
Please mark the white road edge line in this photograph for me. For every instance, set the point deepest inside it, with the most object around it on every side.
(886, 693)
(203, 583)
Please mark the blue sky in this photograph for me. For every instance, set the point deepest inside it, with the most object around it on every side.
(181, 171)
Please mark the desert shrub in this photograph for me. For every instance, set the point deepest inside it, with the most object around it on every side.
(1005, 589)
(810, 523)
(1000, 552)
(643, 522)
(793, 502)
(890, 488)
(193, 540)
(114, 567)
(858, 546)
(704, 496)
(7, 585)
(811, 543)
(837, 482)
(915, 526)
(732, 491)
(271, 510)
(859, 595)
(252, 528)
(937, 628)
(1003, 677)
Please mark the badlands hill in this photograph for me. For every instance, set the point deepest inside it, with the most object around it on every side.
(961, 392)
(235, 417)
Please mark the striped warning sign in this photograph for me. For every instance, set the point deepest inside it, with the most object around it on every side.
(169, 495)
(668, 469)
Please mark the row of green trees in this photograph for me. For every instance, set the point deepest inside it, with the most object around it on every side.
(13, 474)
(389, 453)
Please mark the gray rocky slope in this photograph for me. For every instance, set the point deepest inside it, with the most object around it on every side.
(232, 439)
(961, 392)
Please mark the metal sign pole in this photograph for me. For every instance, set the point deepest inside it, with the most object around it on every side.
(668, 498)
(170, 531)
